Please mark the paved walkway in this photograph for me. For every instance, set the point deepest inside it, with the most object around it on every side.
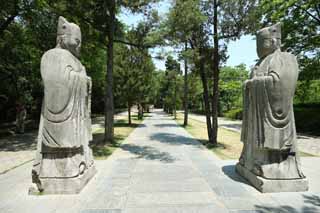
(160, 168)
(306, 144)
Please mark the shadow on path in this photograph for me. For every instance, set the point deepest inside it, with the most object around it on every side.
(230, 171)
(21, 142)
(174, 139)
(313, 200)
(166, 125)
(148, 153)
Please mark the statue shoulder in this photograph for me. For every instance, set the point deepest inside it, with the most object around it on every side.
(56, 54)
(56, 61)
(286, 56)
(283, 59)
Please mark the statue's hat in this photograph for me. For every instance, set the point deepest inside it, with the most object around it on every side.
(273, 31)
(62, 28)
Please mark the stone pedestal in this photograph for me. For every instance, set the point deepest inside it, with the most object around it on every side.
(64, 185)
(268, 185)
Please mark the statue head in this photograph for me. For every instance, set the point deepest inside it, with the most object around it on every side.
(69, 36)
(268, 40)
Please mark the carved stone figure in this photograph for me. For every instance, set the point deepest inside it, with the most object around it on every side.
(64, 161)
(270, 159)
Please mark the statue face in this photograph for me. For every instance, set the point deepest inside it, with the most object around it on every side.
(69, 36)
(72, 40)
(265, 46)
(268, 40)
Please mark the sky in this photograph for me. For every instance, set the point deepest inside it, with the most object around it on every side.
(240, 51)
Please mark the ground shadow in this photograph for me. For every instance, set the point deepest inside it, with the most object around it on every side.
(21, 142)
(148, 153)
(133, 125)
(311, 205)
(230, 171)
(174, 139)
(100, 149)
(166, 125)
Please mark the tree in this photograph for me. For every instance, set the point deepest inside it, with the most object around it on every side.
(21, 46)
(183, 19)
(172, 72)
(101, 16)
(231, 80)
(196, 19)
(133, 76)
(230, 20)
(300, 30)
(186, 23)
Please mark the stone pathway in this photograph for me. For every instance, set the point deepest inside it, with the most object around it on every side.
(306, 144)
(160, 168)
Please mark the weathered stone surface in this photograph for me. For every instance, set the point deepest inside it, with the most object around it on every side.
(64, 162)
(269, 134)
(265, 185)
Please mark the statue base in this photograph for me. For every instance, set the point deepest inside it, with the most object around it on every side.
(268, 185)
(64, 185)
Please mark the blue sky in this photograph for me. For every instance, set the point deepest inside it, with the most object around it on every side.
(240, 51)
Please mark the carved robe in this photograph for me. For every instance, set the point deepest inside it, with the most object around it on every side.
(269, 133)
(65, 125)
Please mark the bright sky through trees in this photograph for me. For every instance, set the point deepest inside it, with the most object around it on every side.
(240, 51)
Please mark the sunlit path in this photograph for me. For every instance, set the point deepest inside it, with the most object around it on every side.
(160, 168)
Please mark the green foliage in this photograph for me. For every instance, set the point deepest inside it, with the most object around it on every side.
(300, 30)
(307, 92)
(231, 81)
(235, 114)
(172, 85)
(133, 76)
(28, 29)
(21, 47)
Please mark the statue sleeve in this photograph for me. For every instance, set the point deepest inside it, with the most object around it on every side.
(60, 82)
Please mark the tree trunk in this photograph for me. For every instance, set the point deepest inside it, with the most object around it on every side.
(175, 99)
(140, 112)
(186, 89)
(215, 96)
(205, 95)
(129, 113)
(109, 108)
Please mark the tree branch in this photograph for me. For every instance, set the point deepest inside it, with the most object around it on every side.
(310, 14)
(134, 44)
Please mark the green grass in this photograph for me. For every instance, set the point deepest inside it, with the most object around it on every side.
(229, 145)
(122, 130)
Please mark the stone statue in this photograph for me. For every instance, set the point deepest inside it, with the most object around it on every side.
(64, 161)
(270, 159)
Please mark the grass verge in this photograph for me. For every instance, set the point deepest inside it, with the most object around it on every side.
(229, 144)
(122, 130)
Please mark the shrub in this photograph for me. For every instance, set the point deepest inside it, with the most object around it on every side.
(234, 114)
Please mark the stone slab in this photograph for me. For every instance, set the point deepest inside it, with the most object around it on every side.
(189, 185)
(180, 209)
(172, 198)
(267, 186)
